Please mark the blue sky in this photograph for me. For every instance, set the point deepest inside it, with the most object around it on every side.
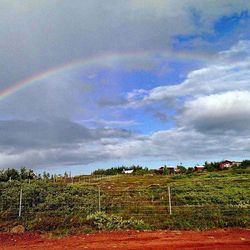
(160, 83)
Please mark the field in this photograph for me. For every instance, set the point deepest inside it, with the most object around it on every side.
(199, 201)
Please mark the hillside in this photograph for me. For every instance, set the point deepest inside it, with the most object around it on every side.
(198, 201)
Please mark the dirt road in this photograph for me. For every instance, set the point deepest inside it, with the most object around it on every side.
(221, 239)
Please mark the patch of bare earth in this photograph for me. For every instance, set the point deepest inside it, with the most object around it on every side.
(228, 239)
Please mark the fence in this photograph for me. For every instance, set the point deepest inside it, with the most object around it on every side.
(83, 178)
(159, 206)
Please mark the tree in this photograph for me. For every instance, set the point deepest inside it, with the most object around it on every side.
(46, 175)
(190, 170)
(12, 174)
(212, 166)
(24, 173)
(245, 163)
(3, 175)
(181, 169)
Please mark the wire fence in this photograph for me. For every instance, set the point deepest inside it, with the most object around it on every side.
(154, 205)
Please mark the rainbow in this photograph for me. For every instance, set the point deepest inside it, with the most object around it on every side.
(101, 59)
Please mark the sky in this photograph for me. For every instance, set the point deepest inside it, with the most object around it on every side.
(97, 84)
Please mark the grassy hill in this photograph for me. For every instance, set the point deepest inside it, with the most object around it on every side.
(198, 201)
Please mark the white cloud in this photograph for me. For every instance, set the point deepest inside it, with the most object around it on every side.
(218, 77)
(109, 123)
(182, 144)
(219, 113)
(238, 52)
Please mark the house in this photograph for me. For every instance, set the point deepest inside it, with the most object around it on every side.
(130, 171)
(171, 170)
(199, 168)
(227, 164)
(159, 171)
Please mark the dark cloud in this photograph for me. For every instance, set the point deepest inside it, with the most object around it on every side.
(111, 101)
(158, 113)
(55, 142)
(55, 133)
(37, 35)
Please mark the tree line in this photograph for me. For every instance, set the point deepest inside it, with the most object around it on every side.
(165, 170)
(25, 173)
(14, 174)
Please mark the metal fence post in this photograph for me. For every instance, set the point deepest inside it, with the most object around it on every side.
(99, 199)
(20, 203)
(169, 201)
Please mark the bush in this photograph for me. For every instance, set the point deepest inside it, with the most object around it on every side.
(102, 221)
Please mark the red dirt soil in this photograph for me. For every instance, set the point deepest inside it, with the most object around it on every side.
(228, 239)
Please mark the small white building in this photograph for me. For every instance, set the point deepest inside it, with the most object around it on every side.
(130, 171)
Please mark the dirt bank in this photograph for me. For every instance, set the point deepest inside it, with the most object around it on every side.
(210, 239)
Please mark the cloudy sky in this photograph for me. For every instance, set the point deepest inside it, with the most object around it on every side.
(91, 84)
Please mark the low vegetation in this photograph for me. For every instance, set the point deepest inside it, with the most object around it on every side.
(103, 221)
(199, 200)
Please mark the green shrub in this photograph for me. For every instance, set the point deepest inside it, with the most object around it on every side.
(103, 221)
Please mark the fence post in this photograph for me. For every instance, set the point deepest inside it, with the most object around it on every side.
(99, 199)
(169, 201)
(20, 203)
